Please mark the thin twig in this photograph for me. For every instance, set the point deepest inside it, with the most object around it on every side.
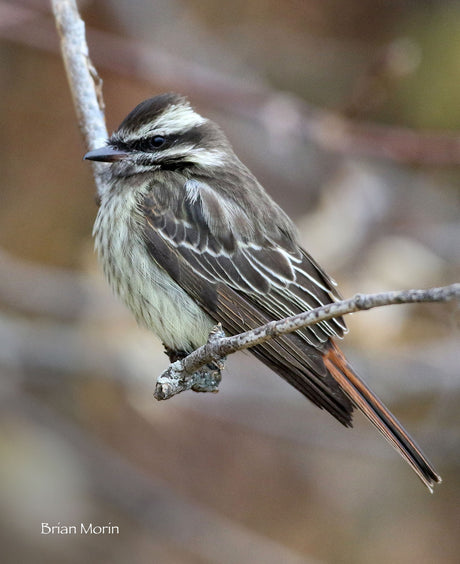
(50, 350)
(183, 374)
(85, 84)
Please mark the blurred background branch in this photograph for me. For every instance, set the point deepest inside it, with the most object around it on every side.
(255, 100)
(151, 503)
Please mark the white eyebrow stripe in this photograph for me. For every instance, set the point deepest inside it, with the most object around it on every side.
(207, 157)
(175, 119)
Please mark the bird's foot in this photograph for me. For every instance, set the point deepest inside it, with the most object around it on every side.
(175, 379)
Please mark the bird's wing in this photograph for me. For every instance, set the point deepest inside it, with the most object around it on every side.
(244, 276)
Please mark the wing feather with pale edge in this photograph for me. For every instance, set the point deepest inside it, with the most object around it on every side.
(244, 277)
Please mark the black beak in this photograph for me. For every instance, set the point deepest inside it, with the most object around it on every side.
(106, 154)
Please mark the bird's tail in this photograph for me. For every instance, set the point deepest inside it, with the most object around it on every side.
(367, 402)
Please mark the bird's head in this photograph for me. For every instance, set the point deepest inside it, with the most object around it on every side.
(164, 132)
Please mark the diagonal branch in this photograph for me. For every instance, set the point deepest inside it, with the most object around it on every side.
(187, 374)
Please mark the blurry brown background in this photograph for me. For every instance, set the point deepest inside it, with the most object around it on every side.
(254, 473)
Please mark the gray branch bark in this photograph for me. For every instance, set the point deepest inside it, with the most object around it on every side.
(85, 84)
(188, 374)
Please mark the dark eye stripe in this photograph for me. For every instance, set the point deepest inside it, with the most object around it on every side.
(194, 136)
(149, 143)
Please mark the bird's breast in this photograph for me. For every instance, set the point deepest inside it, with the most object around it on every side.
(155, 299)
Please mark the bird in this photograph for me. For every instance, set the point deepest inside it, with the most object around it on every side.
(188, 238)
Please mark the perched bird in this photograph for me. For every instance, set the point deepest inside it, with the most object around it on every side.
(188, 237)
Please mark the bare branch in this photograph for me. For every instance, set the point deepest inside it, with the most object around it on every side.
(185, 374)
(85, 84)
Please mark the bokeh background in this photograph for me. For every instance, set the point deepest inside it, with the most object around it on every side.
(348, 113)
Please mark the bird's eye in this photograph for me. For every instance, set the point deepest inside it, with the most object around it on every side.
(157, 141)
